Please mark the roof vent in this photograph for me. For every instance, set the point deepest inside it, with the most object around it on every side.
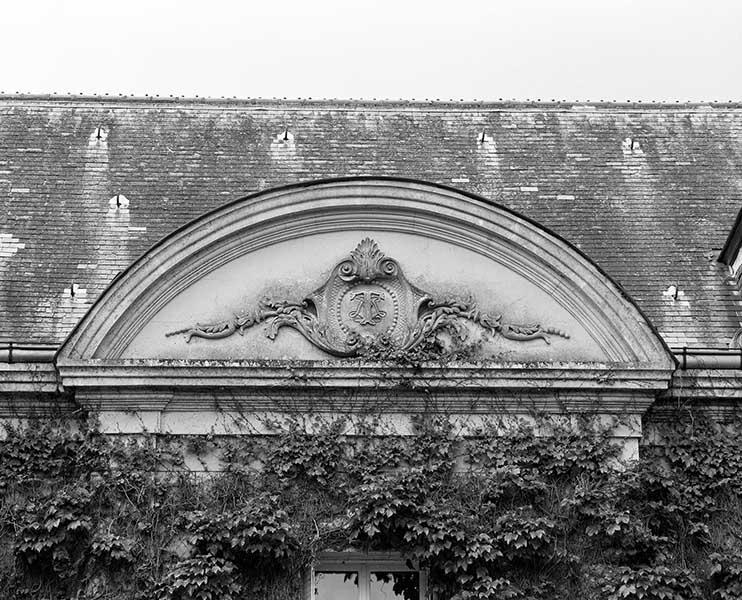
(483, 138)
(75, 291)
(672, 292)
(631, 146)
(283, 146)
(286, 137)
(99, 135)
(119, 201)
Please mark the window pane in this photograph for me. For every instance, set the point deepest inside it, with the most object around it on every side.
(335, 585)
(395, 585)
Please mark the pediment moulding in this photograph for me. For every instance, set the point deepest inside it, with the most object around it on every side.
(332, 273)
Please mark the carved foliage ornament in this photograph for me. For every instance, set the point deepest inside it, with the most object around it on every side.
(367, 302)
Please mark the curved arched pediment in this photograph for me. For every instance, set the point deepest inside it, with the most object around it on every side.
(329, 270)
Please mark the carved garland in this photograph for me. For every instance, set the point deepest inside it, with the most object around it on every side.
(368, 302)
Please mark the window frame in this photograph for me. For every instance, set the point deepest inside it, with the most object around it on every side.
(364, 563)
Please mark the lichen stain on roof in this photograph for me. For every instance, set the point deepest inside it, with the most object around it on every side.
(634, 211)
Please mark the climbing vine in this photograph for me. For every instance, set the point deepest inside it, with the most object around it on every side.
(523, 511)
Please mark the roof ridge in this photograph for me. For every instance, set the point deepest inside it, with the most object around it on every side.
(383, 102)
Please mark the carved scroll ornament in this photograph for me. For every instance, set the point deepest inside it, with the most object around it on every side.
(366, 302)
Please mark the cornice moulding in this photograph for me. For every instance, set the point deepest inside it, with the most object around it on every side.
(28, 377)
(358, 375)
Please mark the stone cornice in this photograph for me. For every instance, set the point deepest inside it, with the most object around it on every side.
(369, 401)
(28, 378)
(357, 374)
(705, 384)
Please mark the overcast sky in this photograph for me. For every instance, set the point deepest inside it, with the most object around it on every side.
(470, 49)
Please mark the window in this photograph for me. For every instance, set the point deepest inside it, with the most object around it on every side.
(346, 576)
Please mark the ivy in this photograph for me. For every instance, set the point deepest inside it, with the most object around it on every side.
(55, 532)
(304, 458)
(652, 583)
(112, 550)
(203, 577)
(505, 511)
(524, 537)
(726, 576)
(48, 451)
(255, 536)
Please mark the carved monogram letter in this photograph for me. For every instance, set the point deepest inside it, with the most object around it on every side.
(367, 311)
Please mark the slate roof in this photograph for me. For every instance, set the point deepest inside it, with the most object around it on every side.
(650, 192)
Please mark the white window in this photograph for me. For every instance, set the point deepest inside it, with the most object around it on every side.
(372, 576)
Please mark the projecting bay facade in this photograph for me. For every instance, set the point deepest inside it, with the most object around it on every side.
(190, 267)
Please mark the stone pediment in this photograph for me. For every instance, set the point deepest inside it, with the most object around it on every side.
(334, 272)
